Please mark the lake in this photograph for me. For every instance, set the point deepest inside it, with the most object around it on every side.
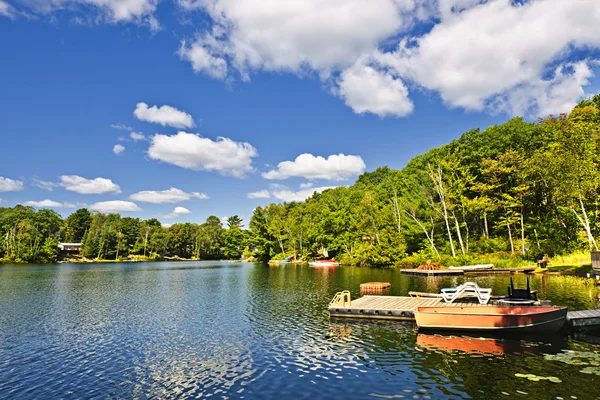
(241, 330)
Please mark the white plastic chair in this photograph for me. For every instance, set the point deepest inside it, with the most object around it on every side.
(467, 289)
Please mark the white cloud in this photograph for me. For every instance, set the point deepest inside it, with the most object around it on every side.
(165, 225)
(261, 194)
(492, 49)
(115, 206)
(164, 115)
(10, 185)
(110, 10)
(335, 167)
(121, 127)
(6, 9)
(177, 212)
(367, 90)
(478, 55)
(49, 204)
(285, 194)
(45, 185)
(191, 151)
(552, 96)
(118, 149)
(78, 184)
(135, 136)
(202, 60)
(291, 35)
(172, 195)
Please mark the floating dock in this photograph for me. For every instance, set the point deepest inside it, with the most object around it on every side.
(525, 270)
(440, 272)
(432, 272)
(402, 308)
(582, 320)
(392, 307)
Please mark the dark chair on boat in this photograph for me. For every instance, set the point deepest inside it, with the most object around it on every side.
(522, 294)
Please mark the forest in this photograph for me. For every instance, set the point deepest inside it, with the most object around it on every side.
(513, 191)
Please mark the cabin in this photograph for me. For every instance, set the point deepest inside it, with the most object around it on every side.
(70, 247)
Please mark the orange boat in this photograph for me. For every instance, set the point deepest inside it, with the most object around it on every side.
(492, 318)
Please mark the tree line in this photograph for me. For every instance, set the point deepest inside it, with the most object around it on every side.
(33, 236)
(517, 190)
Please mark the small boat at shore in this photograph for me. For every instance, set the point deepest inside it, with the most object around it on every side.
(324, 263)
(478, 267)
(492, 318)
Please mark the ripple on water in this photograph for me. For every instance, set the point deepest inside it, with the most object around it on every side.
(240, 331)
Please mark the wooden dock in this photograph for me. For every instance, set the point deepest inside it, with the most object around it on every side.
(432, 272)
(443, 272)
(392, 307)
(525, 270)
(581, 320)
(402, 308)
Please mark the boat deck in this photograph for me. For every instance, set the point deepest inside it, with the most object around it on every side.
(393, 307)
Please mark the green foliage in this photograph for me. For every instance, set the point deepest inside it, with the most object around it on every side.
(504, 195)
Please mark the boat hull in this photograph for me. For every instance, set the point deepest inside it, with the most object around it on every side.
(492, 318)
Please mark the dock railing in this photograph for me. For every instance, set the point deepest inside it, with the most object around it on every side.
(341, 299)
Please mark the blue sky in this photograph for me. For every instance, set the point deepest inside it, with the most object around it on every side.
(328, 88)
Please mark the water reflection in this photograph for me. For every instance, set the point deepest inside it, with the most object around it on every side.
(232, 330)
(491, 345)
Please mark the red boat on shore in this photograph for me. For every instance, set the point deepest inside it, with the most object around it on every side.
(492, 318)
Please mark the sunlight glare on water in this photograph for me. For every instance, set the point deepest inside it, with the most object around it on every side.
(237, 330)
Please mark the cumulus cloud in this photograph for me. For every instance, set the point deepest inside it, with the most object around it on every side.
(164, 115)
(178, 211)
(261, 194)
(334, 168)
(479, 52)
(78, 184)
(172, 195)
(367, 90)
(49, 204)
(191, 151)
(547, 96)
(290, 35)
(115, 206)
(202, 61)
(10, 185)
(136, 136)
(118, 149)
(121, 127)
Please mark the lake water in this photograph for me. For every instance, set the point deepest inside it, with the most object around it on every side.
(238, 330)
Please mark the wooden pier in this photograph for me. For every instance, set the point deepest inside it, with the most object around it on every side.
(582, 320)
(444, 272)
(402, 308)
(392, 307)
(432, 272)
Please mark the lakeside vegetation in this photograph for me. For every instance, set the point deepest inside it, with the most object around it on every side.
(505, 195)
